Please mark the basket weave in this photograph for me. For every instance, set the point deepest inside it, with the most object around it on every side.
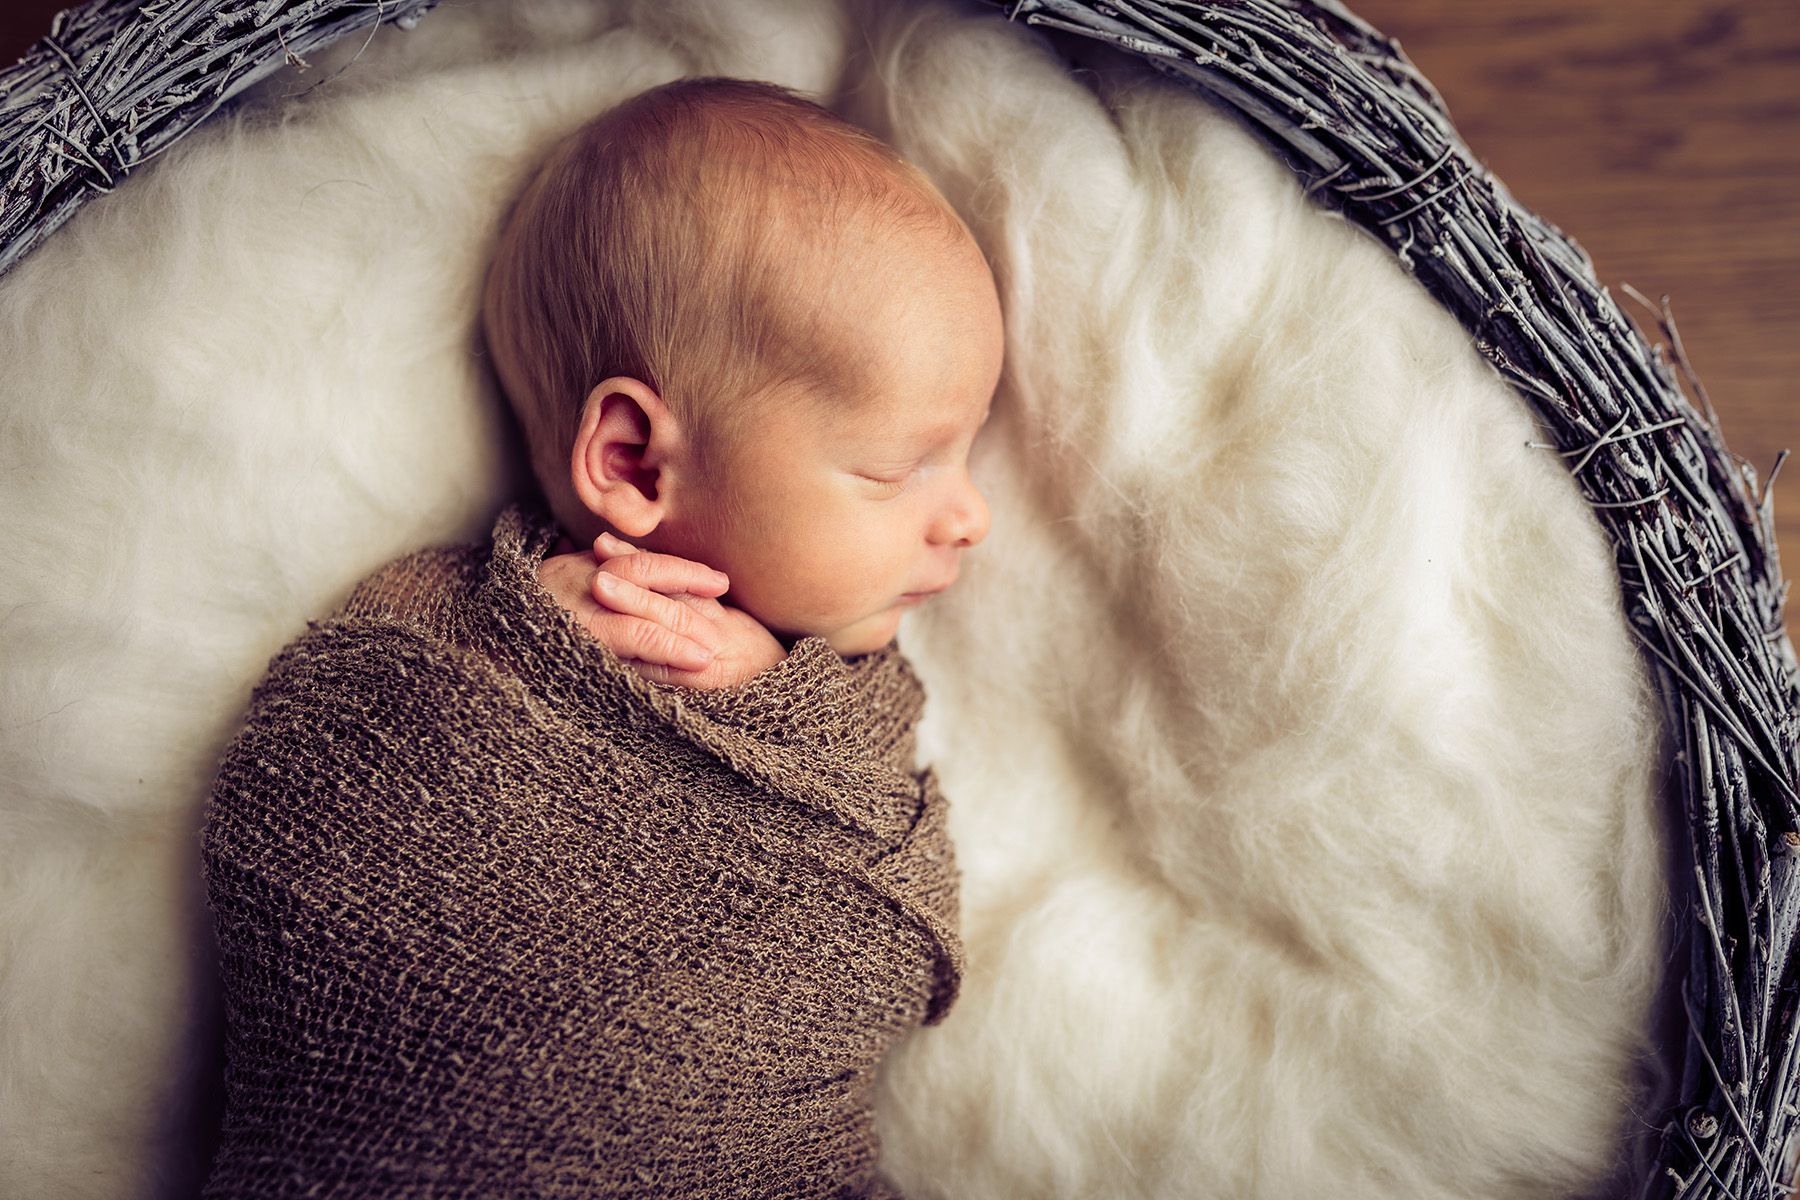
(116, 81)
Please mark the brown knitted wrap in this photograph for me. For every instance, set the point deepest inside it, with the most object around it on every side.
(499, 917)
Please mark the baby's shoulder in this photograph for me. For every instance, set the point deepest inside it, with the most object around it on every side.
(395, 633)
(419, 588)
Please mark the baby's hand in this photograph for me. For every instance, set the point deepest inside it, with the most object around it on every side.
(658, 613)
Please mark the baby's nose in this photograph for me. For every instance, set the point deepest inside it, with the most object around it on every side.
(972, 517)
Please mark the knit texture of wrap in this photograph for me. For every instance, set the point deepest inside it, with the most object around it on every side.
(499, 917)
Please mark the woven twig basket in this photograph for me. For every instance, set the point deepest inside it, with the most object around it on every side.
(116, 81)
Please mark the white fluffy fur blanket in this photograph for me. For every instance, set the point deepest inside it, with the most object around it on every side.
(1304, 773)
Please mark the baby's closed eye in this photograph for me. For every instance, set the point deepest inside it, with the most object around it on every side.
(889, 483)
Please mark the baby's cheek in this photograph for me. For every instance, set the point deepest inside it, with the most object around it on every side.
(860, 573)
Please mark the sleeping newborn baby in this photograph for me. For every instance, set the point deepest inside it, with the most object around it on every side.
(809, 432)
(540, 870)
(810, 435)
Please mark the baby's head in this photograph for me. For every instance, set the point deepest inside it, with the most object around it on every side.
(739, 329)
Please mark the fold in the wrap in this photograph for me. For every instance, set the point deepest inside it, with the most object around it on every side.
(499, 917)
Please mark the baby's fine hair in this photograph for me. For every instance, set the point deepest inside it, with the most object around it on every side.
(673, 238)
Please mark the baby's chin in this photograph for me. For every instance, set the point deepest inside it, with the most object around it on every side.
(865, 636)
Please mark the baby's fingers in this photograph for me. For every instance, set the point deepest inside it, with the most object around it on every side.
(661, 629)
(633, 638)
(658, 572)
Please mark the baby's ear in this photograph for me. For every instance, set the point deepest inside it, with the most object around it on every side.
(612, 466)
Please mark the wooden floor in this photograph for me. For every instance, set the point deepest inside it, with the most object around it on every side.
(1663, 135)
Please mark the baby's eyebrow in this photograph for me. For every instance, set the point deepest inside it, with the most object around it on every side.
(942, 432)
(929, 438)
